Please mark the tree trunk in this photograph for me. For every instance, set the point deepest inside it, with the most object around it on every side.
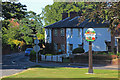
(118, 45)
(112, 42)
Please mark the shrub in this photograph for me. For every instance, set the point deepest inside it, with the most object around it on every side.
(48, 54)
(32, 55)
(118, 54)
(78, 50)
(110, 53)
(102, 53)
(49, 48)
(32, 52)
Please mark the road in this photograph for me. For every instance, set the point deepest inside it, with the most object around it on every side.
(17, 62)
(13, 63)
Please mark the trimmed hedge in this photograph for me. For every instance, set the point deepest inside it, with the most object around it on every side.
(78, 50)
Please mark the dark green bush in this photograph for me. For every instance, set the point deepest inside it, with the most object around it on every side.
(49, 48)
(78, 50)
(33, 56)
(32, 52)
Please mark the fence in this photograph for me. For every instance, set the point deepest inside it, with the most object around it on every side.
(54, 58)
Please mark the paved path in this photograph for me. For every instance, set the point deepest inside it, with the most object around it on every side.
(15, 63)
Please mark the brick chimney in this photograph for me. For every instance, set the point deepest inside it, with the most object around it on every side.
(64, 15)
(73, 14)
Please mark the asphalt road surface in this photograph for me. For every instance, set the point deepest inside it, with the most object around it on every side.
(17, 62)
(13, 63)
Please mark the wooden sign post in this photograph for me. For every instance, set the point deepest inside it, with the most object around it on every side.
(90, 58)
(90, 37)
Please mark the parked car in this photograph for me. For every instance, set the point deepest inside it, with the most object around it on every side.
(27, 51)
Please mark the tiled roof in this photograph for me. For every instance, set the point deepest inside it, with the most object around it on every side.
(73, 23)
(14, 23)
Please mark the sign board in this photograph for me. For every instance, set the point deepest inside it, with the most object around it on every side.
(36, 41)
(90, 34)
(36, 48)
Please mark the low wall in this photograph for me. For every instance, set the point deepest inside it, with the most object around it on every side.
(97, 59)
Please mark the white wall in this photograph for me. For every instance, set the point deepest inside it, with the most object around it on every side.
(75, 39)
(48, 39)
(102, 34)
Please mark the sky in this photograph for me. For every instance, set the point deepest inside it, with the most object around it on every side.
(36, 5)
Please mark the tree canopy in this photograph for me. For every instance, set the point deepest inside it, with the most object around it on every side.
(53, 13)
(19, 26)
(13, 10)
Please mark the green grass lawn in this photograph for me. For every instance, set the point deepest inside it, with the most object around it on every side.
(56, 73)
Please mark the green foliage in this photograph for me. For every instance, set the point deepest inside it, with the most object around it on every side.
(102, 53)
(48, 54)
(13, 10)
(23, 31)
(32, 53)
(118, 55)
(78, 50)
(49, 48)
(10, 34)
(111, 53)
(32, 21)
(52, 13)
(108, 11)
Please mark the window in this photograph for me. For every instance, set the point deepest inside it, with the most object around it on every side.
(48, 33)
(55, 32)
(62, 32)
(71, 34)
(62, 47)
(56, 46)
(78, 32)
(70, 47)
(80, 45)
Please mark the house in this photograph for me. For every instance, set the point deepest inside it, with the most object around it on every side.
(68, 34)
(117, 37)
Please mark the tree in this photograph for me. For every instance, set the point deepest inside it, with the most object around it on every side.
(20, 34)
(28, 25)
(53, 13)
(107, 11)
(13, 10)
